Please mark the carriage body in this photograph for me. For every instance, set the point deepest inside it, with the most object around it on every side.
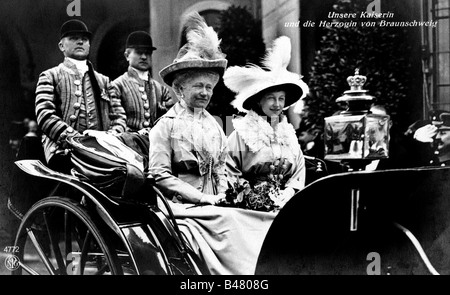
(117, 224)
(387, 222)
(338, 224)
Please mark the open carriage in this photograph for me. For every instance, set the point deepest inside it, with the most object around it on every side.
(388, 222)
(116, 222)
(378, 222)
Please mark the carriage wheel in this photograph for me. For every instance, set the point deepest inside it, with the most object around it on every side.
(58, 236)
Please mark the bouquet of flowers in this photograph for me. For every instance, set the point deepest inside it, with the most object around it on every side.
(263, 196)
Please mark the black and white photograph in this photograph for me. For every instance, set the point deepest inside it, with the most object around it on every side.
(238, 140)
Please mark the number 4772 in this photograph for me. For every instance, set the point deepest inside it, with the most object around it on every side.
(11, 249)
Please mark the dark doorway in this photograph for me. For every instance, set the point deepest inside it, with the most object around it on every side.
(111, 61)
(12, 113)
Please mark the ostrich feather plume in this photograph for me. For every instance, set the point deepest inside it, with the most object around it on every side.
(279, 56)
(201, 49)
(251, 79)
(202, 40)
(237, 79)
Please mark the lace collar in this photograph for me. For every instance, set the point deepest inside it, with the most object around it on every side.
(197, 131)
(196, 113)
(257, 132)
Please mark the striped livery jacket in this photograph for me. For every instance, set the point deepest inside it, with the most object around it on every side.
(67, 104)
(144, 102)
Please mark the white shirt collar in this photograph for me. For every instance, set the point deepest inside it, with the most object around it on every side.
(81, 65)
(143, 75)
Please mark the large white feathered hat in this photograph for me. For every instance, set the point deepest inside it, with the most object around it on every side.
(250, 80)
(202, 50)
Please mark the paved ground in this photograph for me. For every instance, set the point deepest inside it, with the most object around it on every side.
(5, 240)
(3, 269)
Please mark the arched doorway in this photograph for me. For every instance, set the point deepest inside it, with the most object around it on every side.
(110, 56)
(11, 109)
(212, 18)
(12, 106)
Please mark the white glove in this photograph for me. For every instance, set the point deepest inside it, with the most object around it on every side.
(425, 133)
(212, 199)
(144, 131)
(285, 196)
(94, 133)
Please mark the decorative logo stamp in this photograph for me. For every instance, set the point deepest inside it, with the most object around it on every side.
(12, 262)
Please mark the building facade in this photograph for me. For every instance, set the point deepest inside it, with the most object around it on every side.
(29, 34)
(436, 55)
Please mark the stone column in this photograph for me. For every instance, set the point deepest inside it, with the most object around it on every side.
(276, 15)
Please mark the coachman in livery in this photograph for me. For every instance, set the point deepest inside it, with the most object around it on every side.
(72, 97)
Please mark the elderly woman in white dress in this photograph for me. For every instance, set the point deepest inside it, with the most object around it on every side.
(187, 159)
(263, 146)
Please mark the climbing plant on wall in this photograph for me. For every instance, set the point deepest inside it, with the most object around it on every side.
(380, 53)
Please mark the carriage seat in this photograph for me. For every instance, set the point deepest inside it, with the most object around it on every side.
(101, 165)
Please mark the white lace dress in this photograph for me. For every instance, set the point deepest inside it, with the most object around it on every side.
(187, 157)
(254, 146)
(187, 154)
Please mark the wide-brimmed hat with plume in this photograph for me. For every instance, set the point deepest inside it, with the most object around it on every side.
(251, 80)
(202, 50)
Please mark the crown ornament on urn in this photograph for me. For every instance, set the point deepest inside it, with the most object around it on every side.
(356, 133)
(357, 99)
(357, 81)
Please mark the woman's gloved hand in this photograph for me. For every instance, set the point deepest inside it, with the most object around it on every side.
(285, 196)
(212, 199)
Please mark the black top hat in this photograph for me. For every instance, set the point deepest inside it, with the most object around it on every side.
(140, 39)
(74, 26)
